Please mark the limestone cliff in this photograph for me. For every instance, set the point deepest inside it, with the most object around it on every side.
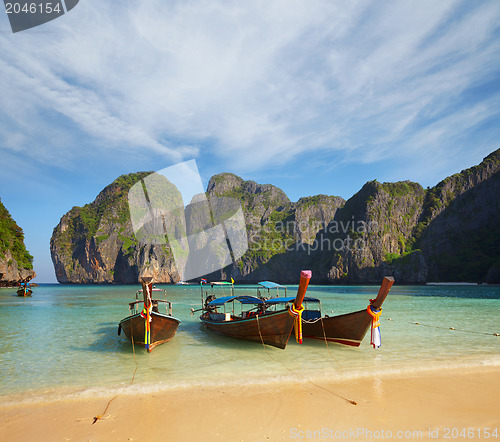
(15, 261)
(279, 231)
(460, 231)
(448, 232)
(95, 244)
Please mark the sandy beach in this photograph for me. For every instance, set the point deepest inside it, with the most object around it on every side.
(430, 406)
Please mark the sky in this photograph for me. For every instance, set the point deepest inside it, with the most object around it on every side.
(313, 96)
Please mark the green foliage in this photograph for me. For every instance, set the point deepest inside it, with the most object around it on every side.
(101, 238)
(401, 188)
(390, 257)
(315, 200)
(111, 203)
(12, 238)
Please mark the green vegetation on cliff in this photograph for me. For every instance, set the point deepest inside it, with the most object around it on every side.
(112, 202)
(12, 238)
(448, 232)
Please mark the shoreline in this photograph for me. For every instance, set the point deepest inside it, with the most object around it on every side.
(50, 395)
(418, 402)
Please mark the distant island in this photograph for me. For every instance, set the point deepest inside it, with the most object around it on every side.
(449, 232)
(16, 263)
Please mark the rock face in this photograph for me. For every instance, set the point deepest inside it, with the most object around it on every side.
(448, 232)
(15, 261)
(370, 233)
(461, 225)
(279, 231)
(95, 244)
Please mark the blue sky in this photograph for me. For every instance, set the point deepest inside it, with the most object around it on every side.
(312, 96)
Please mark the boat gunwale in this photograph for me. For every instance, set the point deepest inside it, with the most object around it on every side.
(239, 320)
(163, 315)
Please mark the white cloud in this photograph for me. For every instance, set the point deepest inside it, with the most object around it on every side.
(261, 81)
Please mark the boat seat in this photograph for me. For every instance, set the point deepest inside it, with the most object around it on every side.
(309, 315)
(217, 316)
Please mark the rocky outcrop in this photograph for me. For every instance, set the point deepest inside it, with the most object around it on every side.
(370, 232)
(460, 233)
(279, 231)
(95, 244)
(15, 261)
(448, 232)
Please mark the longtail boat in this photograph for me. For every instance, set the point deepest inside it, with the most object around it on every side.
(24, 289)
(146, 325)
(347, 329)
(254, 324)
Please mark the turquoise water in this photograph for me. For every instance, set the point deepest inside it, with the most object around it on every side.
(63, 341)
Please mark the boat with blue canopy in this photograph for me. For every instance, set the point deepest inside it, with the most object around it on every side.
(269, 285)
(25, 289)
(254, 323)
(347, 329)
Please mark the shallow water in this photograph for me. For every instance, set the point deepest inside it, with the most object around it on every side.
(63, 340)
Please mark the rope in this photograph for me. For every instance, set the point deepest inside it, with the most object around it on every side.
(297, 374)
(326, 343)
(133, 350)
(101, 416)
(455, 329)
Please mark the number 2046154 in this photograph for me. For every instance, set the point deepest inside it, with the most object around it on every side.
(470, 433)
(33, 8)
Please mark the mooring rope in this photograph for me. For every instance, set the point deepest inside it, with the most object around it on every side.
(101, 416)
(297, 374)
(133, 351)
(326, 343)
(455, 329)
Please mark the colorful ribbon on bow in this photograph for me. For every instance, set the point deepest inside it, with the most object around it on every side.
(376, 338)
(146, 314)
(297, 314)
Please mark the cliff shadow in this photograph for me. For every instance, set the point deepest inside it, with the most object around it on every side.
(461, 243)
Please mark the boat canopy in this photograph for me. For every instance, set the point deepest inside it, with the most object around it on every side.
(271, 285)
(243, 299)
(221, 283)
(284, 300)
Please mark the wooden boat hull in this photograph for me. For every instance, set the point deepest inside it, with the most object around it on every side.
(163, 328)
(348, 329)
(274, 328)
(22, 292)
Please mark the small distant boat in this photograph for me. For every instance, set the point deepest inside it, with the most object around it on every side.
(147, 326)
(269, 285)
(25, 289)
(255, 323)
(347, 329)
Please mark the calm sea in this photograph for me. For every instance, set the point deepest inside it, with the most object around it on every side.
(63, 341)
